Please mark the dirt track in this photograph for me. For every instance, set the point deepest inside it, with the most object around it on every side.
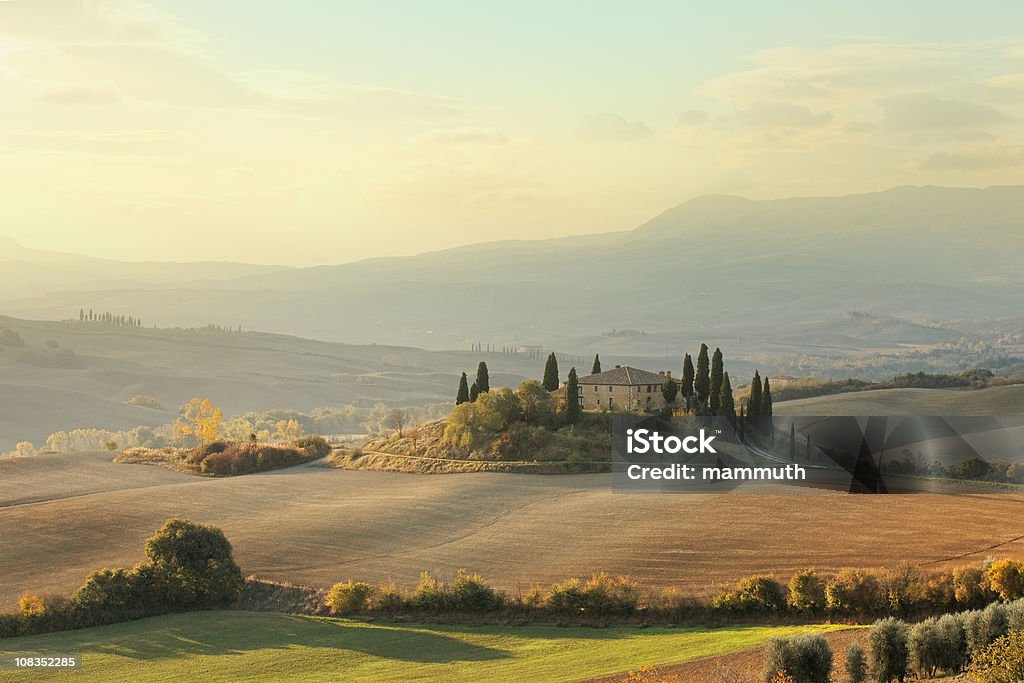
(62, 516)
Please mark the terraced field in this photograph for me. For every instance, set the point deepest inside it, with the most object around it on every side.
(62, 516)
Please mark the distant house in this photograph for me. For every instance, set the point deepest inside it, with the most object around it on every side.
(780, 381)
(622, 388)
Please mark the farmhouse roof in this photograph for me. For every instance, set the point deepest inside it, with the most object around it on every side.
(624, 375)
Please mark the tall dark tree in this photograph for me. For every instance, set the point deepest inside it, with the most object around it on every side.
(572, 409)
(807, 449)
(754, 402)
(715, 381)
(81, 315)
(670, 390)
(741, 427)
(766, 400)
(792, 441)
(463, 395)
(597, 365)
(474, 391)
(551, 373)
(483, 381)
(687, 387)
(702, 379)
(726, 403)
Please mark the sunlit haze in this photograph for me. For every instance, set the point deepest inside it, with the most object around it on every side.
(315, 131)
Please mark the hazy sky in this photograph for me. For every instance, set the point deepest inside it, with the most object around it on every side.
(322, 131)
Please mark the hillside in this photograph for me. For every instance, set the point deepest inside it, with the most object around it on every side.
(715, 268)
(232, 646)
(1008, 400)
(239, 372)
(316, 525)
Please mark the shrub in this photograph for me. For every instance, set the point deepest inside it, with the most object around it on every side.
(471, 594)
(1006, 579)
(983, 627)
(853, 591)
(954, 643)
(107, 597)
(649, 674)
(600, 596)
(44, 614)
(10, 625)
(902, 588)
(390, 598)
(856, 663)
(938, 592)
(1002, 661)
(430, 595)
(349, 597)
(1015, 615)
(926, 646)
(806, 591)
(888, 657)
(968, 587)
(313, 446)
(197, 562)
(805, 659)
(752, 594)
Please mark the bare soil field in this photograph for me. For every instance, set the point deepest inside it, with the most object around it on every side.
(1006, 400)
(62, 516)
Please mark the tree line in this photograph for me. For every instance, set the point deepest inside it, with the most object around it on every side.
(109, 318)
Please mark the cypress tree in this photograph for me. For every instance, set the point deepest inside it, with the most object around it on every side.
(687, 387)
(808, 448)
(463, 395)
(702, 380)
(726, 404)
(572, 398)
(754, 402)
(81, 315)
(474, 391)
(792, 441)
(743, 423)
(669, 390)
(483, 381)
(715, 388)
(766, 400)
(597, 365)
(551, 373)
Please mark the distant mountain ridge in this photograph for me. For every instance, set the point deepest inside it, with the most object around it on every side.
(711, 264)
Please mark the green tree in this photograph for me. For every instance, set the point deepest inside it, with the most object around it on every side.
(669, 390)
(687, 385)
(726, 402)
(551, 373)
(572, 398)
(792, 441)
(198, 563)
(702, 380)
(534, 402)
(766, 399)
(597, 365)
(483, 381)
(856, 663)
(715, 381)
(463, 395)
(474, 391)
(754, 401)
(890, 657)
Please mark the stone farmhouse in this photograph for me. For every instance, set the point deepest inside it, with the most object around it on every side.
(623, 388)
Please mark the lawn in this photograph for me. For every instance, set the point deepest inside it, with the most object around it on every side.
(234, 646)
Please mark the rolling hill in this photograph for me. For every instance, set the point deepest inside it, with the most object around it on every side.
(316, 526)
(721, 267)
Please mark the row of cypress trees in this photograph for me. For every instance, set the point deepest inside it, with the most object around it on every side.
(707, 389)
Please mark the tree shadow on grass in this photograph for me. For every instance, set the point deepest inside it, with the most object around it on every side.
(230, 633)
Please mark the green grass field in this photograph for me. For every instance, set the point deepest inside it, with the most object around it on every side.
(239, 646)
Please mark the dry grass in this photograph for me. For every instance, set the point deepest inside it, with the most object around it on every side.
(315, 525)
